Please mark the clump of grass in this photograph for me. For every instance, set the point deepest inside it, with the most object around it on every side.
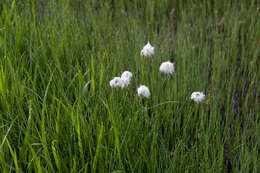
(59, 114)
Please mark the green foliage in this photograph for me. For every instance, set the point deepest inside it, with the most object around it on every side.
(59, 114)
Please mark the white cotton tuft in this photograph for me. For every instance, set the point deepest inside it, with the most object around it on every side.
(167, 67)
(143, 91)
(126, 75)
(147, 50)
(116, 82)
(121, 82)
(126, 78)
(197, 96)
(126, 82)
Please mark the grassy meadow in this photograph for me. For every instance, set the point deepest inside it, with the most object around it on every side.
(58, 112)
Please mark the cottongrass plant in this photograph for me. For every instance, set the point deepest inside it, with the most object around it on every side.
(116, 82)
(197, 96)
(167, 67)
(148, 50)
(143, 91)
(121, 82)
(126, 78)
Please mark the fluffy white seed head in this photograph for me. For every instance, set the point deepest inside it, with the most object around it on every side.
(126, 75)
(121, 82)
(147, 50)
(126, 78)
(167, 67)
(197, 96)
(116, 82)
(143, 91)
(125, 83)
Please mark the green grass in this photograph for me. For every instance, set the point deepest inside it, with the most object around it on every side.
(59, 114)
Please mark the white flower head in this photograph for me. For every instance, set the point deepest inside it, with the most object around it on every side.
(126, 75)
(116, 82)
(167, 67)
(143, 91)
(197, 96)
(147, 50)
(126, 78)
(121, 82)
(125, 83)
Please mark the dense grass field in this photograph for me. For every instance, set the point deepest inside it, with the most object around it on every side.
(58, 112)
